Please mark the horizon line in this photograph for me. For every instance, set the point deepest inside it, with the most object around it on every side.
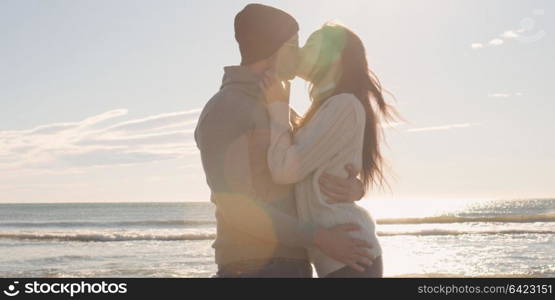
(208, 201)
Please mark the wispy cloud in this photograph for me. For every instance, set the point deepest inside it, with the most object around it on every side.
(504, 95)
(496, 42)
(162, 121)
(510, 34)
(442, 127)
(526, 33)
(87, 143)
(499, 95)
(492, 43)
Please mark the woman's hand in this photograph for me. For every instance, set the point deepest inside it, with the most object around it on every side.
(274, 89)
(341, 190)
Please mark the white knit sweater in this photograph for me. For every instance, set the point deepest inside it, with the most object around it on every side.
(330, 140)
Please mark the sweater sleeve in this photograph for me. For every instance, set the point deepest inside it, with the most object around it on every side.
(323, 137)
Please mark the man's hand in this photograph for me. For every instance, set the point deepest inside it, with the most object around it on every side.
(338, 244)
(340, 189)
(274, 89)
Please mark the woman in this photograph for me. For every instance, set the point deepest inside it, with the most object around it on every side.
(340, 127)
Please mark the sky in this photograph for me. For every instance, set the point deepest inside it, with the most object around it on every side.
(99, 99)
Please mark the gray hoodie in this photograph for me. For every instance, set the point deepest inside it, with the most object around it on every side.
(256, 218)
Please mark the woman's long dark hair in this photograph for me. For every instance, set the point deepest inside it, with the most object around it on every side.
(340, 43)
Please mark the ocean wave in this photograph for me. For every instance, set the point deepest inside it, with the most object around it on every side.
(457, 219)
(108, 237)
(199, 236)
(462, 232)
(153, 223)
(189, 223)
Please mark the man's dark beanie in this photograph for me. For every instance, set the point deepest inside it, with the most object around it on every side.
(261, 30)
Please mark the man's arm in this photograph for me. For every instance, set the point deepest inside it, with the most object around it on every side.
(259, 219)
(228, 139)
(340, 189)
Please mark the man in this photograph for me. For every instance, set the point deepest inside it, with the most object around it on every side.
(258, 234)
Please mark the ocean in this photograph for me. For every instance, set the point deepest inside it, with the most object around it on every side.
(420, 238)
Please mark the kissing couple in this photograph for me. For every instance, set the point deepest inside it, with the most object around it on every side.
(285, 186)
